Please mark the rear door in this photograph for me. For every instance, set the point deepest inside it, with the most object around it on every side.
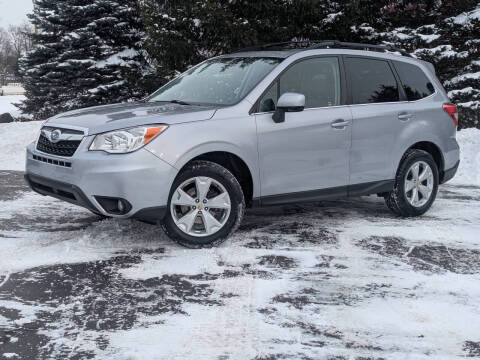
(417, 86)
(310, 150)
(377, 110)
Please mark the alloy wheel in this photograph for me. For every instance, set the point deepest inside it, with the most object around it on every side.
(200, 206)
(419, 184)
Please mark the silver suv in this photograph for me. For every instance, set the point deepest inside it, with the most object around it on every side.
(266, 126)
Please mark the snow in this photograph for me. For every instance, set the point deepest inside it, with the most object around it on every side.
(465, 18)
(337, 279)
(469, 170)
(330, 18)
(15, 137)
(444, 51)
(10, 356)
(466, 90)
(397, 33)
(428, 38)
(459, 78)
(122, 58)
(7, 104)
(12, 89)
(469, 104)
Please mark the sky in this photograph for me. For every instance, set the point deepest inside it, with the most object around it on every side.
(13, 12)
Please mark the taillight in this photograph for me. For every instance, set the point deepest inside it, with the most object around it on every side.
(451, 110)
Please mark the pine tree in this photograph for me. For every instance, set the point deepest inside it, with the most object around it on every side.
(463, 75)
(88, 52)
(173, 36)
(182, 33)
(40, 63)
(429, 31)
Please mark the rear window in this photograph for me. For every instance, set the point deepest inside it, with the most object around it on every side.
(415, 82)
(371, 81)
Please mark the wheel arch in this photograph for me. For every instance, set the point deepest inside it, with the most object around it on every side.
(231, 161)
(433, 149)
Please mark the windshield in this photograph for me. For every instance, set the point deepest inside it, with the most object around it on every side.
(223, 81)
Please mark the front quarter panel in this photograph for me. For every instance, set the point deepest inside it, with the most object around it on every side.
(226, 132)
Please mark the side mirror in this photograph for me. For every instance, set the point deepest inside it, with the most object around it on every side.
(288, 102)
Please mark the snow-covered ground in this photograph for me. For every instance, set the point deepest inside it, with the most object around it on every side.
(7, 104)
(332, 280)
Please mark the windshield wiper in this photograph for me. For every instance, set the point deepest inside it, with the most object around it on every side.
(180, 102)
(175, 101)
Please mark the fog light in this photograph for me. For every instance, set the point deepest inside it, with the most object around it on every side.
(114, 206)
(120, 206)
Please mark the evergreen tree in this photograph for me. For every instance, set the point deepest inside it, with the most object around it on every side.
(182, 33)
(462, 72)
(87, 52)
(428, 30)
(91, 52)
(39, 63)
(173, 35)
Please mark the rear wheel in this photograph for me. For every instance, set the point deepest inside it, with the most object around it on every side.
(206, 205)
(416, 184)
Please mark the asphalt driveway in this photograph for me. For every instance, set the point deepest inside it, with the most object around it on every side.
(332, 280)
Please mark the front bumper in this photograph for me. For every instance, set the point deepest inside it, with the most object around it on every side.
(141, 178)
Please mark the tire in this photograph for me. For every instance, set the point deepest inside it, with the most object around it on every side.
(223, 184)
(402, 201)
(103, 217)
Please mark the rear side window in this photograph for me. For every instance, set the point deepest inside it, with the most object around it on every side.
(415, 82)
(371, 81)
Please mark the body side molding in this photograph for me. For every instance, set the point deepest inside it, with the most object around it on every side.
(355, 190)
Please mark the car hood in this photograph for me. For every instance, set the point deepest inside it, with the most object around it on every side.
(100, 119)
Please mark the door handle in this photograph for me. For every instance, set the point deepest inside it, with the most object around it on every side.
(404, 116)
(339, 124)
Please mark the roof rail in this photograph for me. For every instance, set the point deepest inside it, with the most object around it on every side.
(285, 45)
(321, 44)
(358, 46)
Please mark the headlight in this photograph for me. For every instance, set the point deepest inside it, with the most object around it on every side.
(126, 140)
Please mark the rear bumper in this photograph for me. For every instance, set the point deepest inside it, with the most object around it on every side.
(449, 174)
(140, 178)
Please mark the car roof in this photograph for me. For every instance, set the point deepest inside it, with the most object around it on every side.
(289, 48)
(284, 54)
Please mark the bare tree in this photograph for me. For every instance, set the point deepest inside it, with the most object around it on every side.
(14, 44)
(6, 50)
(21, 38)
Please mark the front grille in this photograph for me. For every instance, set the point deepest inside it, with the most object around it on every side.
(62, 148)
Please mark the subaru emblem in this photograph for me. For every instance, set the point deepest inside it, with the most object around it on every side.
(55, 136)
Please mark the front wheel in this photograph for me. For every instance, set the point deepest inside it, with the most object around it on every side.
(416, 184)
(206, 205)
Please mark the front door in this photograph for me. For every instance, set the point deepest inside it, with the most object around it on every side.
(305, 157)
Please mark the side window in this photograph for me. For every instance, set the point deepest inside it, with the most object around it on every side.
(269, 100)
(371, 81)
(318, 79)
(415, 82)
